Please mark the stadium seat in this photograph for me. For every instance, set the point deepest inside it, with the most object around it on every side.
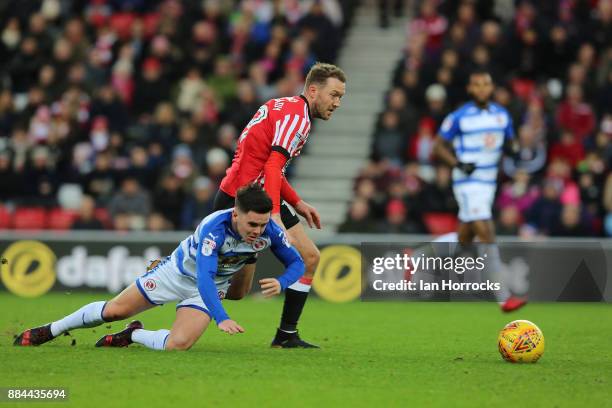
(121, 23)
(30, 218)
(523, 88)
(104, 217)
(151, 23)
(60, 219)
(5, 218)
(440, 223)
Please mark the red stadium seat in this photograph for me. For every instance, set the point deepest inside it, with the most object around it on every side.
(523, 88)
(104, 217)
(30, 218)
(6, 218)
(440, 223)
(121, 24)
(151, 23)
(60, 219)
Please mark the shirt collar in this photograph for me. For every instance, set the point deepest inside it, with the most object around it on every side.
(230, 229)
(488, 109)
(306, 102)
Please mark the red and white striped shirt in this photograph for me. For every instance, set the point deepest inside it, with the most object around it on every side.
(280, 125)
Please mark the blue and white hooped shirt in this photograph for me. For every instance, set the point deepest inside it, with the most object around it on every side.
(214, 252)
(478, 136)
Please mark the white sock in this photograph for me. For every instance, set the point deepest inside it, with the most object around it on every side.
(302, 285)
(88, 316)
(493, 270)
(155, 340)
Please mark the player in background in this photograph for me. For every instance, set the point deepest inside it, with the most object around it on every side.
(275, 135)
(197, 275)
(472, 140)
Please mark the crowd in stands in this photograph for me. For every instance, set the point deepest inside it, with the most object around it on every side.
(552, 63)
(124, 114)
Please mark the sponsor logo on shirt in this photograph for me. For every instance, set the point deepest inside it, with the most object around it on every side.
(296, 141)
(208, 246)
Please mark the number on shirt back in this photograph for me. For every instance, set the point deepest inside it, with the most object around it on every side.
(259, 116)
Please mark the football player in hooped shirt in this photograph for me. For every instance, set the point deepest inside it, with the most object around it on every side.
(472, 140)
(196, 275)
(275, 135)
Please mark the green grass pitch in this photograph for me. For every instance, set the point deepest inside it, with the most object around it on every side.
(385, 354)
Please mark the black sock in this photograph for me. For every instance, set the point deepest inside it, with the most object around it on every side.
(292, 309)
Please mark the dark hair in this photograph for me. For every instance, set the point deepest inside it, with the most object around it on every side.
(479, 71)
(320, 71)
(253, 198)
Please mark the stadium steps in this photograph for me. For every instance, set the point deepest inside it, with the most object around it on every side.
(323, 167)
(324, 190)
(338, 148)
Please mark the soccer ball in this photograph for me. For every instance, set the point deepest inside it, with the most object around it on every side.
(521, 341)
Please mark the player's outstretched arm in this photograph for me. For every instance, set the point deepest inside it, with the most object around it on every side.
(301, 207)
(309, 213)
(443, 152)
(273, 170)
(288, 255)
(206, 264)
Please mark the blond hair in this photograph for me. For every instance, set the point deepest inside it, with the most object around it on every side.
(320, 71)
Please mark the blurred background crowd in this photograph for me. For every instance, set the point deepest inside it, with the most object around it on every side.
(123, 114)
(552, 63)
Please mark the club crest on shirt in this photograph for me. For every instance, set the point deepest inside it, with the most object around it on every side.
(258, 244)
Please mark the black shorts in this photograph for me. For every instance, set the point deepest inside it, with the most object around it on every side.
(289, 218)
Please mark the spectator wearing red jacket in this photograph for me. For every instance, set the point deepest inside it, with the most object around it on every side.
(430, 23)
(567, 148)
(575, 115)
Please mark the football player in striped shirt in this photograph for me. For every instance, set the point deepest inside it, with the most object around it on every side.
(276, 135)
(472, 140)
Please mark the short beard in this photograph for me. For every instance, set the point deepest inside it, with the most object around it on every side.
(482, 103)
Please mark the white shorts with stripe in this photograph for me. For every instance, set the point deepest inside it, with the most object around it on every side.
(165, 283)
(475, 201)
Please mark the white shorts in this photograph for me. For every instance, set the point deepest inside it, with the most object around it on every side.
(165, 283)
(475, 201)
